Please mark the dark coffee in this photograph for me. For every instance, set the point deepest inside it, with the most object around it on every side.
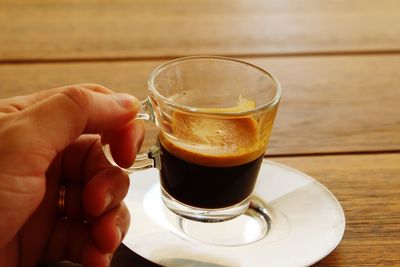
(211, 162)
(203, 186)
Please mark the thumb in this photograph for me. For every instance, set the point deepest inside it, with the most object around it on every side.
(58, 120)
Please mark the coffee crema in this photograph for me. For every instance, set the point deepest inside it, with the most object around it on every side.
(211, 162)
(214, 141)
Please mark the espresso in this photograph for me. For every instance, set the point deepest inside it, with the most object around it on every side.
(210, 162)
(205, 186)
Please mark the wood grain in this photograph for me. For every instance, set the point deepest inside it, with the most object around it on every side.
(73, 29)
(330, 104)
(368, 188)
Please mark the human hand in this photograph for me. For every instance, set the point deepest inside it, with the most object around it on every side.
(48, 139)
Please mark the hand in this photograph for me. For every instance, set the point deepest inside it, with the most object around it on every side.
(48, 139)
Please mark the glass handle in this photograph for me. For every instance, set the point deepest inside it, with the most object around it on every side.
(144, 160)
(146, 111)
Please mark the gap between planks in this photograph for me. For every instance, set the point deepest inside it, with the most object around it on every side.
(156, 58)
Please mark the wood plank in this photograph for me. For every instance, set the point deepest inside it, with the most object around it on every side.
(330, 104)
(73, 29)
(368, 188)
(337, 104)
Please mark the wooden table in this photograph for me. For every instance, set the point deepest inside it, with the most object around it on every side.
(338, 62)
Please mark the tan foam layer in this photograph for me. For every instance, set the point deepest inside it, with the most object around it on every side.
(213, 141)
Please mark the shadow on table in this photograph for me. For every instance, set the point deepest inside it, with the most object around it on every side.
(122, 257)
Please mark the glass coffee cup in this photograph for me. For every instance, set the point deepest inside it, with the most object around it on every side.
(215, 116)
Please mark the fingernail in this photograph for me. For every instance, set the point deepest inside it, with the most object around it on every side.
(108, 200)
(127, 101)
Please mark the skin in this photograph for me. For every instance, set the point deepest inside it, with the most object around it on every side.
(51, 138)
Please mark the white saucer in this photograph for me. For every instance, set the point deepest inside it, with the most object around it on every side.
(307, 224)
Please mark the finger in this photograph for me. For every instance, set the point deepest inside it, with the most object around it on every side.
(104, 191)
(85, 151)
(109, 230)
(71, 240)
(21, 102)
(104, 185)
(73, 208)
(85, 157)
(126, 142)
(93, 257)
(89, 244)
(67, 241)
(64, 116)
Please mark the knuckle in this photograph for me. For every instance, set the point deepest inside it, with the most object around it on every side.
(79, 96)
(13, 104)
(95, 87)
(8, 108)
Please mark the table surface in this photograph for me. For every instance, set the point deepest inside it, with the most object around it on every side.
(338, 63)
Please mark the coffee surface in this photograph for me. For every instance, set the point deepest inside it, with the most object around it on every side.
(213, 140)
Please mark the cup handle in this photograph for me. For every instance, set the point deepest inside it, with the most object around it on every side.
(143, 161)
(146, 111)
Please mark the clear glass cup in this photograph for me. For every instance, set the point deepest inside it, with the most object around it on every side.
(215, 116)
